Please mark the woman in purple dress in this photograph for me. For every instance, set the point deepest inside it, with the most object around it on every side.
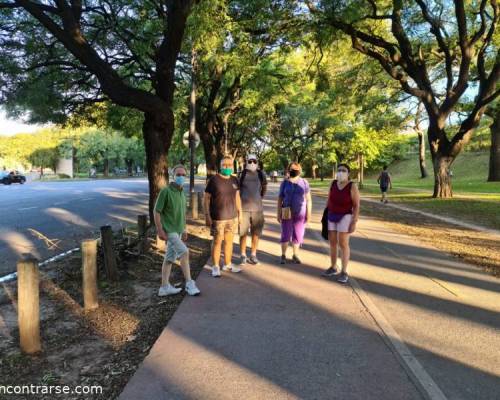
(294, 211)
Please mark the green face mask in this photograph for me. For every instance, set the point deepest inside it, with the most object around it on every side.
(226, 171)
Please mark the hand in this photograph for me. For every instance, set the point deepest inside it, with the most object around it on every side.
(352, 227)
(240, 217)
(308, 217)
(278, 217)
(184, 236)
(208, 221)
(162, 235)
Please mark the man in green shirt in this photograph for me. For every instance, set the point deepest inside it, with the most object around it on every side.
(170, 221)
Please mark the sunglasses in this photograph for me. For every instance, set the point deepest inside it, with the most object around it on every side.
(252, 161)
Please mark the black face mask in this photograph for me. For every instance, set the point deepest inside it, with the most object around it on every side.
(294, 173)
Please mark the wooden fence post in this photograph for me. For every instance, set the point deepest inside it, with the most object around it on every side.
(109, 253)
(89, 273)
(28, 295)
(142, 229)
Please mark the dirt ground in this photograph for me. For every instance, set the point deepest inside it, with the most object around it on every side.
(102, 347)
(481, 249)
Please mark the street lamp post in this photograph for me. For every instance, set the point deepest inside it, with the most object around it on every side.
(192, 122)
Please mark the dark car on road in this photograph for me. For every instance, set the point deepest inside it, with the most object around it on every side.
(12, 177)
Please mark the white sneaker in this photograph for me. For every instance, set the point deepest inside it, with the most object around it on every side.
(191, 288)
(232, 268)
(168, 290)
(216, 271)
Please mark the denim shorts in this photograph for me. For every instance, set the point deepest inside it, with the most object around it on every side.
(176, 248)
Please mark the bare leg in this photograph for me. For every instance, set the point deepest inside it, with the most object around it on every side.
(186, 270)
(284, 246)
(243, 245)
(165, 272)
(216, 249)
(333, 238)
(345, 250)
(255, 244)
(228, 247)
(296, 248)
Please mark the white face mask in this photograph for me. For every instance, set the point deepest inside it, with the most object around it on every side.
(342, 176)
(252, 167)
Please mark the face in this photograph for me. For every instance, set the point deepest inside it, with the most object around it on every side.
(226, 163)
(294, 171)
(180, 172)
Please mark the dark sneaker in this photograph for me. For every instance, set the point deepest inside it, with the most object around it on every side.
(296, 259)
(331, 271)
(243, 260)
(343, 278)
(283, 260)
(253, 260)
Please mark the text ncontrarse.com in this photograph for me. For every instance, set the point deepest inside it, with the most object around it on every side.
(49, 389)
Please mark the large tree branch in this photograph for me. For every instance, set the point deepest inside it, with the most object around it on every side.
(436, 31)
(75, 43)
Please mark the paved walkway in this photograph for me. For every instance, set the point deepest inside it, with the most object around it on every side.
(283, 332)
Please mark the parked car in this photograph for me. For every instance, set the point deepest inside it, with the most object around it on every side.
(12, 177)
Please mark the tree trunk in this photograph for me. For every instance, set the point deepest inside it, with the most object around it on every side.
(157, 131)
(130, 167)
(421, 154)
(494, 168)
(106, 167)
(442, 176)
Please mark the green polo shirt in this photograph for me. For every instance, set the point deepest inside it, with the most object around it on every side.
(171, 205)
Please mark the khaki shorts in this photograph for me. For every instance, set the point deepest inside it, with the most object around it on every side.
(220, 228)
(252, 221)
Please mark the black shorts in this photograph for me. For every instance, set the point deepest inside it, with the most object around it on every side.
(253, 221)
(383, 189)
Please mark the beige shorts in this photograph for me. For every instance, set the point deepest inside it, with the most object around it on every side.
(342, 225)
(220, 228)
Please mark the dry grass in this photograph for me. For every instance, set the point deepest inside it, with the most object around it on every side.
(475, 247)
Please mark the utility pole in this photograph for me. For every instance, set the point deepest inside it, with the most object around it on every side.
(192, 121)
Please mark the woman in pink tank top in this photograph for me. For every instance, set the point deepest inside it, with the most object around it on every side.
(342, 213)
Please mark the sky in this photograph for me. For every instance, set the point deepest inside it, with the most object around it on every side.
(10, 127)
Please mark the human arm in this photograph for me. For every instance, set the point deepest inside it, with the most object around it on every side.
(308, 206)
(161, 233)
(280, 205)
(238, 206)
(206, 200)
(159, 207)
(390, 181)
(355, 207)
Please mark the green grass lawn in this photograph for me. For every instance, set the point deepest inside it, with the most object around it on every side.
(475, 200)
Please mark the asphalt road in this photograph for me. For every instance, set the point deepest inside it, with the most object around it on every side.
(47, 218)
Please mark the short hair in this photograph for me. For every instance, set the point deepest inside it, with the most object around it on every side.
(385, 167)
(344, 165)
(177, 167)
(294, 164)
(226, 158)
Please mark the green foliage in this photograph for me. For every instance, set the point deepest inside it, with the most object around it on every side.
(91, 146)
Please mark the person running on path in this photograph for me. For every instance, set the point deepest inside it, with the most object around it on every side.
(223, 205)
(294, 211)
(385, 182)
(343, 213)
(170, 221)
(253, 186)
